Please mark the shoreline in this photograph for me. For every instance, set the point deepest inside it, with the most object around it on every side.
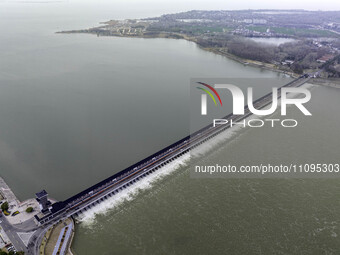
(217, 51)
(15, 205)
(70, 250)
(24, 223)
(248, 62)
(54, 238)
(334, 83)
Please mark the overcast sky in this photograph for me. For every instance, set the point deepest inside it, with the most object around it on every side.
(93, 11)
(214, 4)
(236, 4)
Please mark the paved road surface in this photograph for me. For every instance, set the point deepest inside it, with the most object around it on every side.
(12, 234)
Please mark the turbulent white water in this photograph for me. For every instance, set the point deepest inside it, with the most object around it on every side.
(130, 192)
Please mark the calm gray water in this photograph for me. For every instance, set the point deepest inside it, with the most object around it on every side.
(75, 109)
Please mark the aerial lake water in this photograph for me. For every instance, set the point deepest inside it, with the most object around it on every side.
(77, 108)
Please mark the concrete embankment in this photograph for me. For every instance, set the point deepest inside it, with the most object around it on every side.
(6, 194)
(58, 239)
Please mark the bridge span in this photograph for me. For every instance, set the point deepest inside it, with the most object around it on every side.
(117, 182)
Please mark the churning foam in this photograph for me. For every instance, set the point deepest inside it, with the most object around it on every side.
(130, 192)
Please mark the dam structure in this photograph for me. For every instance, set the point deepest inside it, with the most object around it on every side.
(131, 175)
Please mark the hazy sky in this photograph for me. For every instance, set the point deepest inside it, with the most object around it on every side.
(88, 12)
(238, 4)
(214, 4)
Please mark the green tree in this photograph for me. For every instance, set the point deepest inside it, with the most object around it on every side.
(29, 209)
(4, 206)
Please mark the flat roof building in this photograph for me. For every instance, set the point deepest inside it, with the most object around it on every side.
(42, 198)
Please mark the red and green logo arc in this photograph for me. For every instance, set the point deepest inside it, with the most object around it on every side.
(209, 93)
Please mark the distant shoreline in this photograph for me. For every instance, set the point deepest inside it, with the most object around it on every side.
(252, 63)
(217, 51)
(229, 33)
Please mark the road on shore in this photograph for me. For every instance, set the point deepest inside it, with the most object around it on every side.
(12, 234)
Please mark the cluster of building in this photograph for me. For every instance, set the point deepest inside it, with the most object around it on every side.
(255, 21)
(126, 27)
(244, 31)
(325, 58)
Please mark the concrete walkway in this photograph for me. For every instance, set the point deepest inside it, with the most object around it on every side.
(15, 205)
(60, 238)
